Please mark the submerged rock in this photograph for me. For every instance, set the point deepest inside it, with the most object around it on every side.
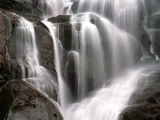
(21, 101)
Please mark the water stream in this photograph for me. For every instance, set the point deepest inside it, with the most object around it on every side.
(104, 46)
(100, 51)
(27, 55)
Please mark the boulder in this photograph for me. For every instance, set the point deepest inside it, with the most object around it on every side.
(145, 102)
(46, 48)
(21, 101)
(145, 110)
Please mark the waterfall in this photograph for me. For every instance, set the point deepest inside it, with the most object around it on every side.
(90, 62)
(103, 51)
(27, 55)
(58, 50)
(108, 102)
(105, 45)
(122, 13)
(88, 52)
(51, 8)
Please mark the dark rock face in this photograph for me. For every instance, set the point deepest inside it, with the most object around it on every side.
(6, 30)
(46, 48)
(10, 68)
(65, 33)
(24, 7)
(21, 101)
(152, 6)
(145, 43)
(148, 110)
(60, 19)
(145, 103)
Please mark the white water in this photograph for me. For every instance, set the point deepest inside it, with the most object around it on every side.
(122, 13)
(27, 55)
(108, 102)
(102, 51)
(95, 43)
(91, 62)
(51, 8)
(58, 56)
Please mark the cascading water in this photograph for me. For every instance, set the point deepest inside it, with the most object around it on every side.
(101, 49)
(58, 56)
(27, 55)
(91, 62)
(122, 13)
(108, 102)
(51, 8)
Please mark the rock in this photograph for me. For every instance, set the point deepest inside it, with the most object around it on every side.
(149, 110)
(155, 42)
(152, 6)
(65, 33)
(46, 48)
(60, 19)
(12, 68)
(23, 7)
(5, 31)
(153, 21)
(1, 60)
(2, 82)
(21, 101)
(145, 42)
(145, 103)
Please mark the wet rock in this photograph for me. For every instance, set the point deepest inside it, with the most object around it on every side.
(60, 19)
(145, 110)
(7, 68)
(12, 69)
(45, 47)
(145, 42)
(2, 82)
(5, 31)
(23, 7)
(21, 101)
(1, 60)
(65, 34)
(152, 6)
(155, 42)
(145, 102)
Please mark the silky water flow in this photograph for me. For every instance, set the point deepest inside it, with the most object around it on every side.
(105, 46)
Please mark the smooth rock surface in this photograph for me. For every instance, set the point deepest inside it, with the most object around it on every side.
(21, 101)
